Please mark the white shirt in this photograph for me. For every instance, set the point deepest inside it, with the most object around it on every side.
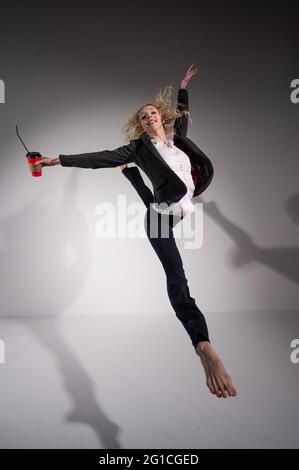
(180, 164)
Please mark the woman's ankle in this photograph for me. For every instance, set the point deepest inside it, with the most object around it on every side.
(202, 347)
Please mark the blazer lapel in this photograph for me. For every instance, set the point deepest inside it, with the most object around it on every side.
(202, 170)
(176, 140)
(147, 141)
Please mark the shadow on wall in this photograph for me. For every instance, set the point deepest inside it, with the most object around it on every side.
(44, 262)
(284, 260)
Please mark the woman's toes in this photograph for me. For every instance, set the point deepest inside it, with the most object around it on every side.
(229, 391)
(221, 387)
(216, 387)
(210, 385)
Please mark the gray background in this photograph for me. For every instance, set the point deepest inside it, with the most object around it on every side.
(94, 354)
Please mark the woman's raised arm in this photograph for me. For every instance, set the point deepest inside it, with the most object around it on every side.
(181, 123)
(188, 75)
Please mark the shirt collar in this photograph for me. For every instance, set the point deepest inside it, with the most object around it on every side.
(155, 140)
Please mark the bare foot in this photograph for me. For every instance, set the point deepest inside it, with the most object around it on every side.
(217, 379)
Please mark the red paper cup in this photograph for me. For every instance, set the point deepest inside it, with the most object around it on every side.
(36, 170)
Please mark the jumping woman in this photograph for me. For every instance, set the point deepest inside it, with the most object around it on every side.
(178, 171)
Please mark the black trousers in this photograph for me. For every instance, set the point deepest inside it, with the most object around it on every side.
(159, 230)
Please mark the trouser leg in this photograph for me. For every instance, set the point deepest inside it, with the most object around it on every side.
(157, 227)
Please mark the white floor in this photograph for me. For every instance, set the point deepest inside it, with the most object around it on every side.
(134, 381)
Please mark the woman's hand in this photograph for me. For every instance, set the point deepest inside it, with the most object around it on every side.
(188, 75)
(122, 167)
(45, 161)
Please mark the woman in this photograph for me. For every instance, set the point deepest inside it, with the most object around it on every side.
(157, 133)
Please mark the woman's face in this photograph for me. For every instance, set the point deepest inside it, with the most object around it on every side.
(150, 118)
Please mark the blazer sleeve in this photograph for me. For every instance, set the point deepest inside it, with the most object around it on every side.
(181, 123)
(101, 159)
(133, 175)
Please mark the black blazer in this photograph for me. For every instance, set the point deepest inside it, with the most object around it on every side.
(168, 187)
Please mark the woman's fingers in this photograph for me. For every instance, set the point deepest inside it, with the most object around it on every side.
(188, 75)
(191, 71)
(45, 161)
(42, 162)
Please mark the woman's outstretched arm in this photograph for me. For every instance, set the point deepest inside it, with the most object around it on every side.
(94, 160)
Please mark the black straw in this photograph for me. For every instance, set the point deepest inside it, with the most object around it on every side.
(21, 139)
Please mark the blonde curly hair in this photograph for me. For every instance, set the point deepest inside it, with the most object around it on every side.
(169, 112)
